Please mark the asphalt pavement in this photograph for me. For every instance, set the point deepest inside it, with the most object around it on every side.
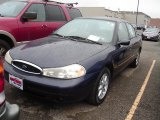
(122, 94)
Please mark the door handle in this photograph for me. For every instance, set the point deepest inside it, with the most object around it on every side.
(44, 26)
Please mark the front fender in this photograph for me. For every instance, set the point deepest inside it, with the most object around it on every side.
(9, 35)
(98, 62)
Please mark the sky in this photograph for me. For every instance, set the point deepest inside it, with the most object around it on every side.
(150, 7)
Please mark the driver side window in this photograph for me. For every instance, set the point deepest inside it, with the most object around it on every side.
(123, 32)
(40, 10)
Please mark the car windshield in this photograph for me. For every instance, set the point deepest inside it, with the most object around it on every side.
(11, 8)
(151, 30)
(95, 30)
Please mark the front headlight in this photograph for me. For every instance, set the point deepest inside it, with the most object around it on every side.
(8, 58)
(68, 72)
(154, 35)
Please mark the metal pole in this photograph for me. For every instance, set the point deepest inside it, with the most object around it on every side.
(137, 13)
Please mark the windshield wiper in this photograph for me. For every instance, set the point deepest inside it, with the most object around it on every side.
(65, 37)
(91, 41)
(57, 35)
(78, 38)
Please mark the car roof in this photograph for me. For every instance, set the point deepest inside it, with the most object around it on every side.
(34, 0)
(104, 18)
(49, 1)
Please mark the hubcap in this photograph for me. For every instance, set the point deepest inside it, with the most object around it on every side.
(103, 86)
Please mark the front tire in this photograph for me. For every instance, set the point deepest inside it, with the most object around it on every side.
(4, 47)
(100, 88)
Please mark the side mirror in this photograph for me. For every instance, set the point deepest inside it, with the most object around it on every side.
(29, 15)
(124, 42)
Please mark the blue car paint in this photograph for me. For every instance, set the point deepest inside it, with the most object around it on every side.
(52, 52)
(78, 88)
(55, 53)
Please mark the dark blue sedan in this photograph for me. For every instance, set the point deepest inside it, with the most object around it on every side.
(77, 61)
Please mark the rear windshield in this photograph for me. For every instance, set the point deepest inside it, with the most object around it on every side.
(74, 13)
(11, 8)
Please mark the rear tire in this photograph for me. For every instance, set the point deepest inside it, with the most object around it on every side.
(135, 63)
(157, 40)
(100, 88)
(4, 47)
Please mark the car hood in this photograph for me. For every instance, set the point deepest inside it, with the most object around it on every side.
(55, 52)
(7, 19)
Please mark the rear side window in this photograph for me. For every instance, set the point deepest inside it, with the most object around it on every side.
(40, 10)
(74, 13)
(131, 31)
(123, 32)
(54, 13)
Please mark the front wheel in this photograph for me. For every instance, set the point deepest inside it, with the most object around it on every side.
(100, 88)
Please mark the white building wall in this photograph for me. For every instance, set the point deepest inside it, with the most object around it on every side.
(92, 11)
(142, 18)
(128, 16)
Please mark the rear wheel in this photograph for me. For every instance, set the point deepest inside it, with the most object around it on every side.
(4, 47)
(157, 40)
(135, 63)
(100, 88)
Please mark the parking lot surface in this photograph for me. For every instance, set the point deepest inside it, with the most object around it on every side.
(122, 94)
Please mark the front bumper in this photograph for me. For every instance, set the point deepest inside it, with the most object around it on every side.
(60, 90)
(144, 37)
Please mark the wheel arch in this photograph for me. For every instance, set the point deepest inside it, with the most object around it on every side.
(140, 49)
(9, 38)
(110, 67)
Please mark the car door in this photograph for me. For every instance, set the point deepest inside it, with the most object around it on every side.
(36, 28)
(122, 52)
(55, 17)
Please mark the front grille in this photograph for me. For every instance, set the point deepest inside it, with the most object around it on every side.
(26, 67)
